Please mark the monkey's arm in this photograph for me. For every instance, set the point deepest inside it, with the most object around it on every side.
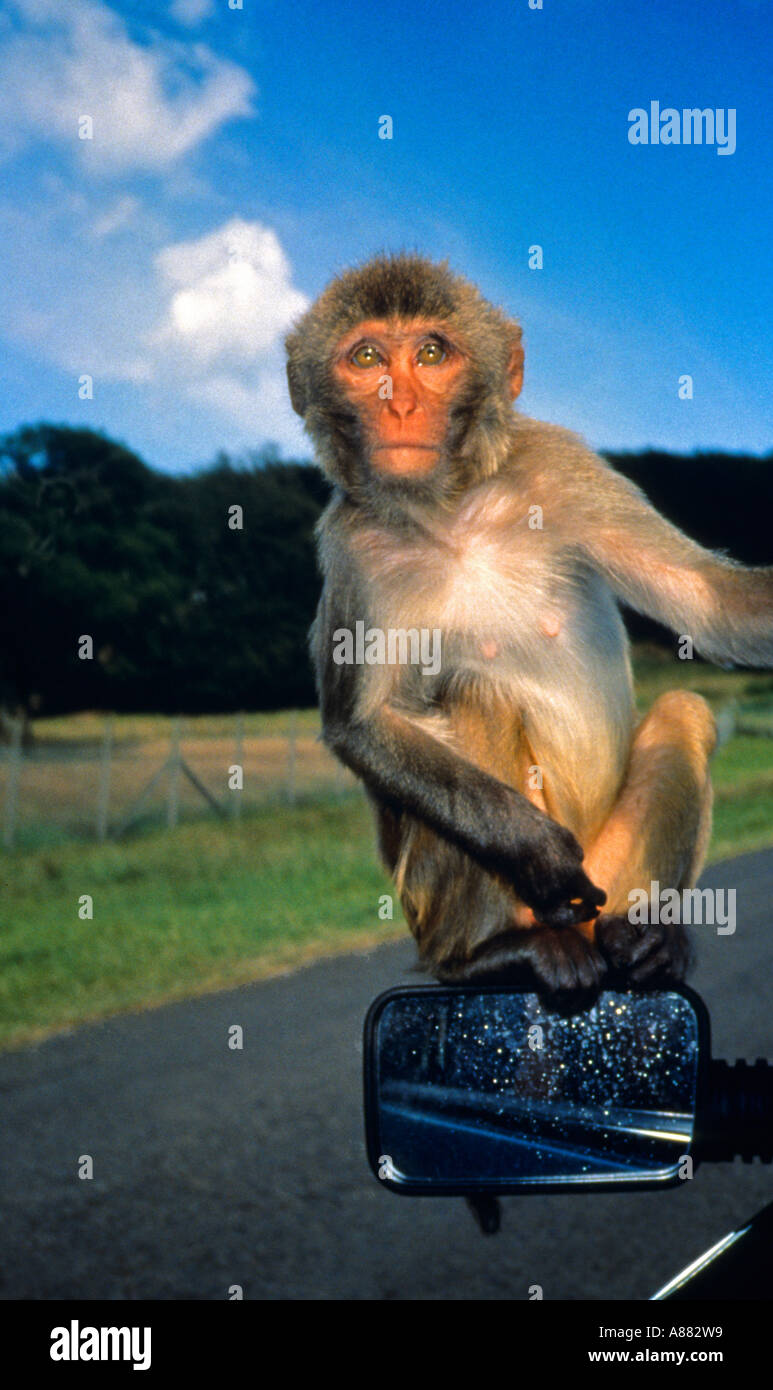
(726, 608)
(403, 763)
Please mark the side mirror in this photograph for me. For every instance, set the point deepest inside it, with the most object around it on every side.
(473, 1089)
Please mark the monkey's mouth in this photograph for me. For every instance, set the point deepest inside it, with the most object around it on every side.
(403, 457)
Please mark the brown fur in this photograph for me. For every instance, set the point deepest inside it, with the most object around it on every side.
(535, 668)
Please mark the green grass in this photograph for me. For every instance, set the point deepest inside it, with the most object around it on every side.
(743, 797)
(655, 670)
(212, 904)
(182, 913)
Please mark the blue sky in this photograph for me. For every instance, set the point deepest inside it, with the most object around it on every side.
(235, 166)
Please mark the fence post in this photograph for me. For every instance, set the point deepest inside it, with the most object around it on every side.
(239, 760)
(106, 763)
(173, 793)
(727, 720)
(12, 786)
(291, 755)
(340, 778)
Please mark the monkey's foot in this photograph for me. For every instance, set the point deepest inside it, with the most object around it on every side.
(553, 961)
(651, 953)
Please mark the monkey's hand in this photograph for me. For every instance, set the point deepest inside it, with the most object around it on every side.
(644, 953)
(557, 963)
(552, 882)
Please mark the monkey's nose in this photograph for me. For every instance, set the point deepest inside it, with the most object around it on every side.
(403, 403)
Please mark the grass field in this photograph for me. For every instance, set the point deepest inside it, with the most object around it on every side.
(181, 913)
(213, 904)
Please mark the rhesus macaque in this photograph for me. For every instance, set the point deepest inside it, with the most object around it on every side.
(515, 794)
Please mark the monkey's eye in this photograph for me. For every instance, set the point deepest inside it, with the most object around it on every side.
(430, 354)
(366, 356)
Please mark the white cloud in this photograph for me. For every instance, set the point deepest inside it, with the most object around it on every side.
(150, 103)
(258, 410)
(117, 217)
(192, 12)
(230, 299)
(202, 334)
(232, 295)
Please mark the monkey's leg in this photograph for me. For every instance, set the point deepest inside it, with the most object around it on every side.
(463, 918)
(468, 921)
(658, 831)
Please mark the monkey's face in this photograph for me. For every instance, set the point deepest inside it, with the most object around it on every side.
(402, 379)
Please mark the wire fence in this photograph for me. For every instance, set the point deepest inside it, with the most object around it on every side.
(115, 780)
(100, 777)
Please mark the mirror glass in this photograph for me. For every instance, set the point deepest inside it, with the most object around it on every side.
(488, 1087)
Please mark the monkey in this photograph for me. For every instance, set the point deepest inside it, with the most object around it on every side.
(518, 798)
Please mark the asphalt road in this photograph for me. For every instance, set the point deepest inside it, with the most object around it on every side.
(214, 1167)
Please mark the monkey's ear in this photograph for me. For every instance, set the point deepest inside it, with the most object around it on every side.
(298, 399)
(515, 370)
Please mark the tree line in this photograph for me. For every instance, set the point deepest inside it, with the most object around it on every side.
(198, 590)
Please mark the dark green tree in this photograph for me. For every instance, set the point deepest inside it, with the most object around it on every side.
(185, 612)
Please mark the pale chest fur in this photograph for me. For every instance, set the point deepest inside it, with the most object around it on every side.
(526, 627)
(493, 578)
